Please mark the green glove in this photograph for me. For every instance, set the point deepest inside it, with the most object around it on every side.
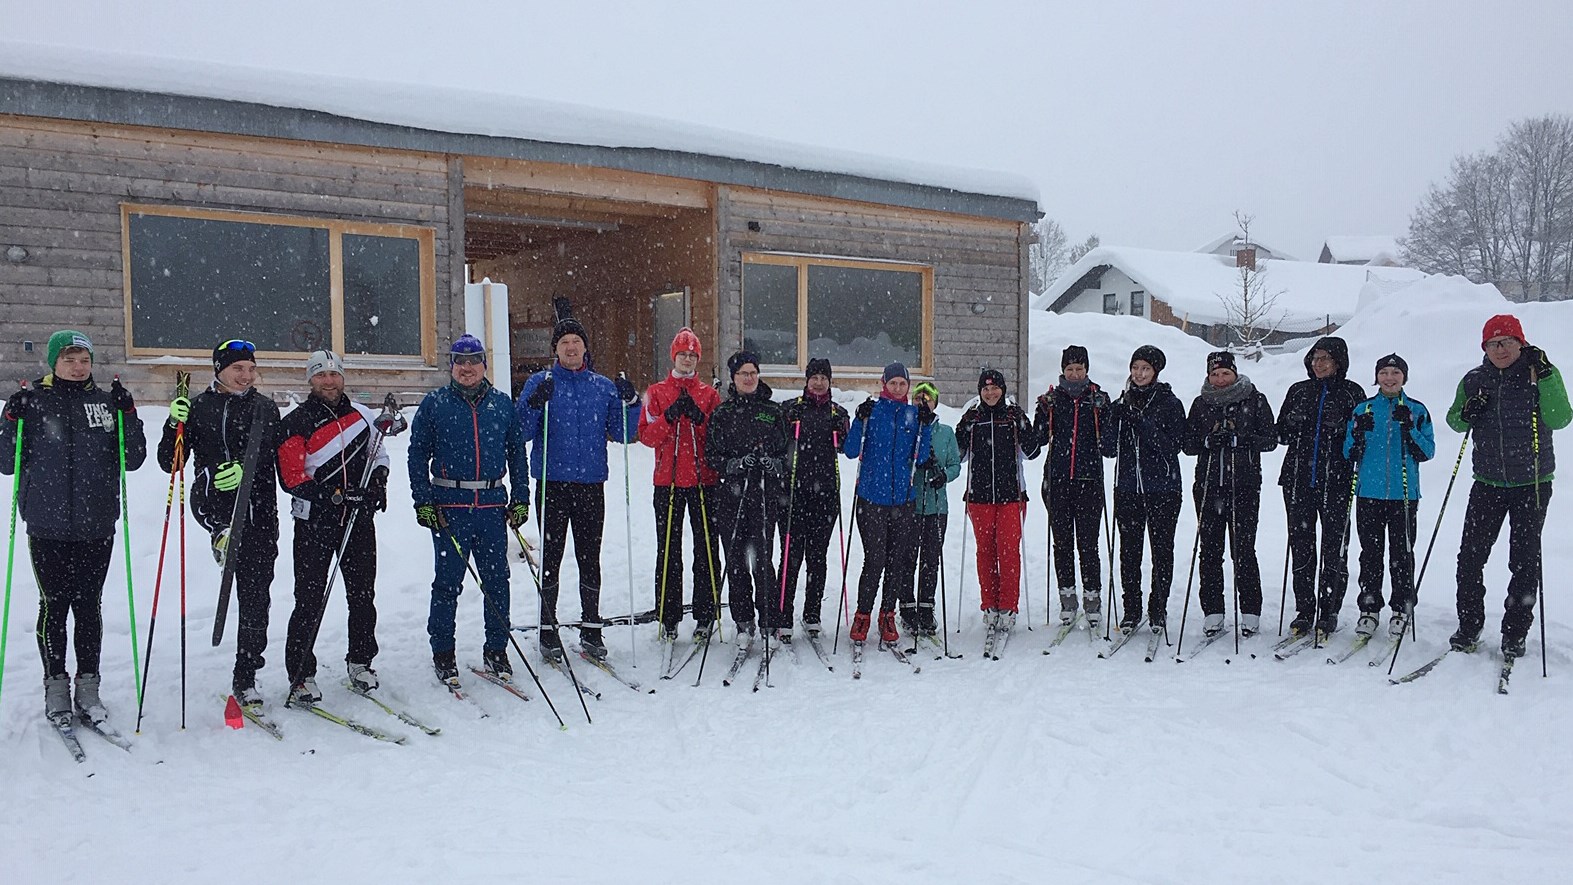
(518, 514)
(227, 477)
(179, 410)
(429, 516)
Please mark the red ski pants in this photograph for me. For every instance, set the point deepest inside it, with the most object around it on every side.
(997, 528)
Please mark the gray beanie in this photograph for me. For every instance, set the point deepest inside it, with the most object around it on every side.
(323, 361)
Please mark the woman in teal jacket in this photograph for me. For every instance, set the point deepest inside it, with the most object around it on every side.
(1387, 438)
(933, 512)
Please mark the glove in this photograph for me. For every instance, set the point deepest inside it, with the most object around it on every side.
(1221, 438)
(1365, 422)
(1118, 410)
(377, 490)
(865, 410)
(179, 410)
(227, 477)
(1474, 407)
(1404, 417)
(773, 466)
(350, 497)
(1538, 363)
(1098, 400)
(925, 415)
(518, 513)
(677, 410)
(16, 406)
(750, 461)
(541, 395)
(428, 516)
(625, 390)
(936, 478)
(1357, 451)
(120, 397)
(735, 466)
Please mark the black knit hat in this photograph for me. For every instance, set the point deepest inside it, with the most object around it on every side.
(231, 352)
(1396, 362)
(1150, 355)
(817, 366)
(738, 360)
(1221, 359)
(994, 375)
(569, 326)
(1075, 354)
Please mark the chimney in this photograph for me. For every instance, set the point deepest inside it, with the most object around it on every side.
(1245, 257)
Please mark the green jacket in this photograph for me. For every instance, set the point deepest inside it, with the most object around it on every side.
(947, 460)
(1513, 432)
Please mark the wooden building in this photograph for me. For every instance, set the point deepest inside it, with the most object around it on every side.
(163, 224)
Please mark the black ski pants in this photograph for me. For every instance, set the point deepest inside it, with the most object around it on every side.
(70, 577)
(707, 568)
(1391, 524)
(812, 522)
(746, 518)
(580, 507)
(254, 562)
(890, 552)
(931, 541)
(1327, 508)
(1075, 511)
(316, 543)
(1139, 517)
(1525, 509)
(1232, 517)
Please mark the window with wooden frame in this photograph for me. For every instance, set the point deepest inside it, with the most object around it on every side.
(860, 315)
(289, 284)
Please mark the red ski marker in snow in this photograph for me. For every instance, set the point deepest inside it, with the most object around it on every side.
(232, 715)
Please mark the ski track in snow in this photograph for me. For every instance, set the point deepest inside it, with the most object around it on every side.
(1062, 768)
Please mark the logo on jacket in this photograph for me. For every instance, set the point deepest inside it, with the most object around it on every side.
(99, 415)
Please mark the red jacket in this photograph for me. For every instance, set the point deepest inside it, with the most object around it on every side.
(677, 442)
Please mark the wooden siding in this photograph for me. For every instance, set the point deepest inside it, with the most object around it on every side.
(62, 185)
(974, 261)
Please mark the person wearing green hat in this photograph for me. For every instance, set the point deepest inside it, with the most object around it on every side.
(69, 496)
(219, 423)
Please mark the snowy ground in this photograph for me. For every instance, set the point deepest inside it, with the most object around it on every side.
(1063, 768)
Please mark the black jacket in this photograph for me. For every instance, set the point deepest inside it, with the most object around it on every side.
(1239, 459)
(817, 432)
(997, 438)
(1312, 421)
(1512, 436)
(70, 484)
(747, 424)
(1145, 432)
(216, 432)
(1072, 430)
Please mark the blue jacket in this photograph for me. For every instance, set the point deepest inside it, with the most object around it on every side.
(892, 433)
(456, 438)
(586, 413)
(1387, 455)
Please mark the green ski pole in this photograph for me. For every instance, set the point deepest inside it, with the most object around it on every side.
(125, 533)
(10, 558)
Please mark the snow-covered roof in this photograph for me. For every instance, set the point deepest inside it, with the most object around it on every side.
(1191, 283)
(641, 141)
(1228, 239)
(1361, 249)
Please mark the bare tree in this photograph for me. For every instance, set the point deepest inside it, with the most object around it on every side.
(1249, 308)
(1049, 256)
(1504, 217)
(1081, 249)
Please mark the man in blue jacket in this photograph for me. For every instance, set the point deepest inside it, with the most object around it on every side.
(570, 413)
(890, 439)
(463, 439)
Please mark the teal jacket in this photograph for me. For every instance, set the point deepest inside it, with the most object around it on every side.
(947, 460)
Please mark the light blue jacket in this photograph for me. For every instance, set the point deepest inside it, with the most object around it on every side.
(1389, 463)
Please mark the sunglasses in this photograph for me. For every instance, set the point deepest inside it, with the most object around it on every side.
(469, 359)
(239, 344)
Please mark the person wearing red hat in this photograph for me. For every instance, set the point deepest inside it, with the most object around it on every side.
(1515, 398)
(676, 410)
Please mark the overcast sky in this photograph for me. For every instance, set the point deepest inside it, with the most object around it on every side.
(1148, 123)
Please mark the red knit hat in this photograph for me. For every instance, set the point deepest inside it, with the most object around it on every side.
(685, 340)
(1502, 324)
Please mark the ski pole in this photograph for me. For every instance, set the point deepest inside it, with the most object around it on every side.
(182, 512)
(1415, 596)
(1108, 537)
(966, 532)
(177, 465)
(628, 532)
(125, 534)
(1190, 575)
(944, 614)
(546, 554)
(786, 549)
(846, 548)
(715, 587)
(737, 520)
(1540, 519)
(10, 559)
(501, 615)
(666, 541)
(1349, 509)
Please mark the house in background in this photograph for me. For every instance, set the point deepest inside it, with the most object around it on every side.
(1230, 244)
(1187, 290)
(1367, 251)
(158, 214)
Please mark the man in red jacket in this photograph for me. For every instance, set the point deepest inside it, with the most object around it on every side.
(675, 411)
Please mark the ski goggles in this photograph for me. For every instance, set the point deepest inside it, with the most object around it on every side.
(927, 389)
(240, 345)
(467, 359)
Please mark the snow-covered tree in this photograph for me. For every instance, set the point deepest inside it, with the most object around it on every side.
(1249, 308)
(1049, 256)
(1082, 248)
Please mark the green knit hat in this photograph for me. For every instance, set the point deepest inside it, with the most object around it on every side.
(66, 338)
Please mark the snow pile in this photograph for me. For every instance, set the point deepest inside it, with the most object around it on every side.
(1363, 250)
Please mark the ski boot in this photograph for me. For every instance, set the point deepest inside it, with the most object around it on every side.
(860, 624)
(57, 697)
(497, 664)
(1366, 626)
(1397, 626)
(590, 642)
(1512, 647)
(88, 706)
(1465, 639)
(1250, 625)
(446, 667)
(305, 692)
(1067, 605)
(887, 628)
(745, 634)
(1092, 604)
(362, 676)
(1133, 617)
(551, 643)
(1213, 625)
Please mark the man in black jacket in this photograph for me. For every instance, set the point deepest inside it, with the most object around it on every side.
(327, 441)
(219, 424)
(747, 446)
(69, 495)
(1315, 479)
